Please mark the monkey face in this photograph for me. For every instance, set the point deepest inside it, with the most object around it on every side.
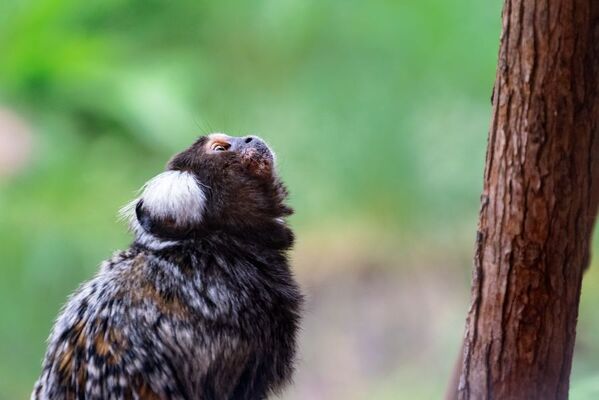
(251, 152)
(220, 183)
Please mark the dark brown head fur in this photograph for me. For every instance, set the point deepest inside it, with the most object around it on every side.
(243, 193)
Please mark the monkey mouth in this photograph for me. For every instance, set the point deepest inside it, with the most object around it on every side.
(259, 160)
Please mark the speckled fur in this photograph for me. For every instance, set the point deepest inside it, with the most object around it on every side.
(212, 314)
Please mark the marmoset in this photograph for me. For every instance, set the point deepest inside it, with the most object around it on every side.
(203, 304)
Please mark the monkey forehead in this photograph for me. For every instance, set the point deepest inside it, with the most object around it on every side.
(219, 136)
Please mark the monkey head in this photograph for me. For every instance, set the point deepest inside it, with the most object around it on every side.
(219, 184)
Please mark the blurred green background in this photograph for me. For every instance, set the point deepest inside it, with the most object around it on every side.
(378, 111)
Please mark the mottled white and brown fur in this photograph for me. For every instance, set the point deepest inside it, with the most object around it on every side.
(203, 304)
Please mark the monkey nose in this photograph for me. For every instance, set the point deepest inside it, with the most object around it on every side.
(256, 147)
(255, 142)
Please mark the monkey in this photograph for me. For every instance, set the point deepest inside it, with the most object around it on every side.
(203, 304)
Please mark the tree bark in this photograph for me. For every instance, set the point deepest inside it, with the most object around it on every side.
(538, 204)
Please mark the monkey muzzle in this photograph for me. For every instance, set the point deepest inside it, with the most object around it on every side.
(256, 155)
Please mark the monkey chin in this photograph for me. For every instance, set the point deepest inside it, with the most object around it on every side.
(260, 162)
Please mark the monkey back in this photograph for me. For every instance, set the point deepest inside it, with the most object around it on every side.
(203, 304)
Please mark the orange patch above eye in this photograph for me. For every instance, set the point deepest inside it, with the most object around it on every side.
(218, 145)
(218, 139)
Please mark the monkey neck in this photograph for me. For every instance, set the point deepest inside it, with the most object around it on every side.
(272, 235)
(266, 246)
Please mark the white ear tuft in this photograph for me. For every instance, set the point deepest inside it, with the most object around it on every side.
(175, 194)
(171, 195)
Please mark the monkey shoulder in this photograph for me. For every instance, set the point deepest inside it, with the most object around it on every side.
(155, 323)
(100, 347)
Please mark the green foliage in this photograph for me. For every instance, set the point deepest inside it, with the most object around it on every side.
(378, 111)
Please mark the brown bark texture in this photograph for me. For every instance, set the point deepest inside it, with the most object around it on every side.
(538, 205)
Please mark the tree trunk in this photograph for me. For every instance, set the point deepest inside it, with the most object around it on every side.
(538, 204)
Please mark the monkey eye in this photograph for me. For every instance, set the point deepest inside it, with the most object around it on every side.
(219, 147)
